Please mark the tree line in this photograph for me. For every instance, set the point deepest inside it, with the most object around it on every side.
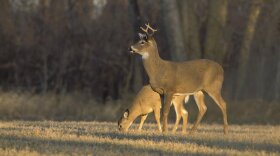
(64, 46)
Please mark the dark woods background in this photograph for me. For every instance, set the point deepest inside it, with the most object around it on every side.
(67, 59)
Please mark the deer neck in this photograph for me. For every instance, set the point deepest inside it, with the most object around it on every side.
(134, 112)
(153, 63)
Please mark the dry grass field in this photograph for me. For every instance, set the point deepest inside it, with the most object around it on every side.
(103, 138)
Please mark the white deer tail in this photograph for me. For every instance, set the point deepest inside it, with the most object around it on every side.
(187, 98)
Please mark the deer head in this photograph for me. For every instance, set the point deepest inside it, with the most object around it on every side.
(124, 122)
(146, 42)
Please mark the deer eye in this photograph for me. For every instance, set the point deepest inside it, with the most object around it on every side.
(142, 42)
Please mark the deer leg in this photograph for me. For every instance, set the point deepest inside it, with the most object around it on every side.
(185, 116)
(216, 96)
(178, 116)
(157, 117)
(185, 120)
(199, 99)
(166, 109)
(143, 118)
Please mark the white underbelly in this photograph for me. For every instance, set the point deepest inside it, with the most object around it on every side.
(186, 94)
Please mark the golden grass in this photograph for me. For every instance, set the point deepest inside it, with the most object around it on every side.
(102, 138)
(18, 105)
(52, 106)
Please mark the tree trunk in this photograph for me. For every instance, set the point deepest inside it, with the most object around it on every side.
(277, 81)
(215, 44)
(45, 72)
(275, 32)
(173, 29)
(7, 25)
(190, 29)
(271, 72)
(137, 69)
(245, 48)
(267, 69)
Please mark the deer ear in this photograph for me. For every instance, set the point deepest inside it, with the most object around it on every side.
(146, 38)
(143, 36)
(125, 114)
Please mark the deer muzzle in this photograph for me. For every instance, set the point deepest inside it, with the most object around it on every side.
(132, 50)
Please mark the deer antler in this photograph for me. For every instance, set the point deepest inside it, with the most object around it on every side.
(146, 30)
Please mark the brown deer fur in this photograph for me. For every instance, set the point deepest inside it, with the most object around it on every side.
(148, 101)
(180, 78)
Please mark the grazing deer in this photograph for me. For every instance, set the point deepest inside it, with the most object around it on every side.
(148, 101)
(180, 78)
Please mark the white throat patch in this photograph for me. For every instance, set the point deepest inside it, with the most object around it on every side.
(145, 55)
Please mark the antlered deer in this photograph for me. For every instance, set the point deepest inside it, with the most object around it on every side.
(148, 101)
(180, 78)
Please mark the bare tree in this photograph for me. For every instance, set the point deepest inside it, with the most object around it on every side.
(245, 48)
(190, 28)
(215, 43)
(136, 70)
(172, 25)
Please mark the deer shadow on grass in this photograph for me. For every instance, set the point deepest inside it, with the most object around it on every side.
(51, 146)
(217, 143)
(232, 131)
